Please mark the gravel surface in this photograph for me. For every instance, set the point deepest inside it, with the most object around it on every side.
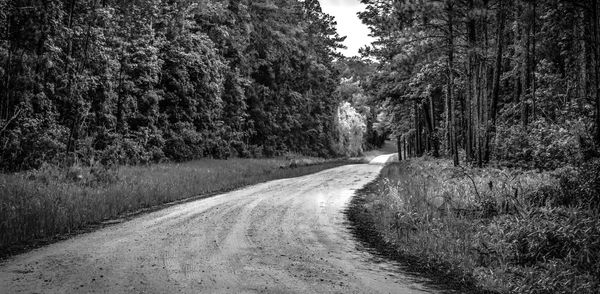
(284, 236)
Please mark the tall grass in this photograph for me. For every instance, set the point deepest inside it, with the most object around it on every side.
(485, 226)
(53, 201)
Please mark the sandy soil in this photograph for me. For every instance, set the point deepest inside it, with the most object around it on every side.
(388, 147)
(284, 236)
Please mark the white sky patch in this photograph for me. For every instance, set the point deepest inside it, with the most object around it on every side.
(348, 23)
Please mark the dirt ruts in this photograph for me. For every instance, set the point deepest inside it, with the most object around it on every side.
(284, 236)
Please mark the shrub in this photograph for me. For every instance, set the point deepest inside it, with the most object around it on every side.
(549, 250)
(125, 151)
(548, 195)
(184, 143)
(34, 141)
(541, 145)
(218, 148)
(511, 231)
(581, 186)
(95, 175)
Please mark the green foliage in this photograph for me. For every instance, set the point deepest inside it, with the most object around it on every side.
(351, 129)
(581, 187)
(33, 141)
(352, 89)
(143, 81)
(548, 250)
(503, 230)
(541, 145)
(513, 81)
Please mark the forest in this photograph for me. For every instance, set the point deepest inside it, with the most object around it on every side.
(515, 82)
(135, 82)
(495, 106)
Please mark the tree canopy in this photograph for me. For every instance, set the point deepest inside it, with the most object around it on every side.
(516, 81)
(140, 81)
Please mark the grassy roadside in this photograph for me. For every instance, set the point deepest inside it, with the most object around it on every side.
(486, 230)
(49, 204)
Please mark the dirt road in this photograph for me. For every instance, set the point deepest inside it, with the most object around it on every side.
(284, 236)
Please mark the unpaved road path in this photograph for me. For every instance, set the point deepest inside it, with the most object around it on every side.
(284, 236)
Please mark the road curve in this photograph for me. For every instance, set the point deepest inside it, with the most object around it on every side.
(284, 236)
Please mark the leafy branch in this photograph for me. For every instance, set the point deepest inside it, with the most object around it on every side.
(5, 126)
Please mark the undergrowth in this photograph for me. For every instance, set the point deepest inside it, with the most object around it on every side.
(42, 204)
(501, 230)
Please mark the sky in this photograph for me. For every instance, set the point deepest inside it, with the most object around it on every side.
(348, 23)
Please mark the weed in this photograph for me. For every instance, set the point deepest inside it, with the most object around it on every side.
(507, 230)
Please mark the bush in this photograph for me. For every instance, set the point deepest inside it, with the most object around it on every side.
(548, 195)
(510, 231)
(34, 141)
(218, 148)
(581, 186)
(541, 145)
(549, 250)
(124, 151)
(184, 143)
(95, 175)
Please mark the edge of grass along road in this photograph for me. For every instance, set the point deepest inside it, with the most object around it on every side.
(51, 204)
(485, 230)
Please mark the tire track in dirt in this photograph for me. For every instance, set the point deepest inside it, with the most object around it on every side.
(284, 236)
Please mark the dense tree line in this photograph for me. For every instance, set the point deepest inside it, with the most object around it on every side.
(516, 81)
(147, 80)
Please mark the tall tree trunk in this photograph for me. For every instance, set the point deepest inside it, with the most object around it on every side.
(496, 86)
(478, 111)
(596, 48)
(533, 4)
(525, 74)
(471, 40)
(516, 57)
(5, 113)
(487, 92)
(583, 64)
(450, 90)
(428, 110)
(498, 67)
(430, 130)
(399, 147)
(404, 147)
(418, 130)
(71, 145)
